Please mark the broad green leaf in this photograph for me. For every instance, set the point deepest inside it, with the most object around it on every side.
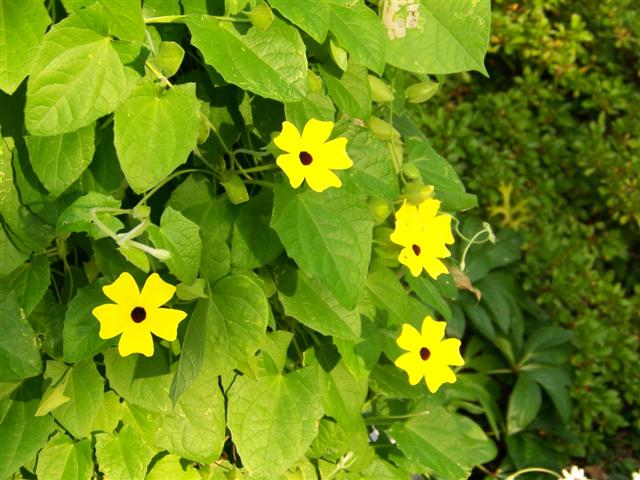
(392, 382)
(170, 467)
(80, 334)
(85, 389)
(180, 236)
(429, 294)
(30, 282)
(274, 420)
(56, 378)
(22, 433)
(344, 396)
(105, 169)
(19, 354)
(47, 320)
(436, 171)
(12, 258)
(22, 27)
(157, 8)
(65, 460)
(350, 90)
(59, 160)
(373, 170)
(254, 243)
(154, 133)
(449, 444)
(169, 58)
(309, 302)
(123, 455)
(125, 19)
(478, 316)
(328, 234)
(524, 403)
(315, 105)
(450, 37)
(76, 78)
(271, 63)
(314, 21)
(109, 414)
(360, 32)
(555, 381)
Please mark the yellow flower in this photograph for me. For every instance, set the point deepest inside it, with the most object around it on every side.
(428, 355)
(424, 236)
(310, 156)
(136, 315)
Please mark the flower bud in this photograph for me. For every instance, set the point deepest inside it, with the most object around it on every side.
(416, 192)
(236, 189)
(379, 209)
(421, 92)
(380, 91)
(339, 56)
(141, 211)
(381, 129)
(411, 171)
(261, 16)
(315, 84)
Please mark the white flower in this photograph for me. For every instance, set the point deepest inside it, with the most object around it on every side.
(574, 474)
(635, 475)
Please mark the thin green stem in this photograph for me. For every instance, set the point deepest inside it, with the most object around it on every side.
(490, 237)
(180, 18)
(158, 74)
(261, 168)
(146, 196)
(533, 469)
(251, 152)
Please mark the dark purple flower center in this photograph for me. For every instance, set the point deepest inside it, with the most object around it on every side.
(138, 314)
(416, 249)
(305, 158)
(425, 353)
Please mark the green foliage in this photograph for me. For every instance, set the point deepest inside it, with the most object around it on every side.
(558, 161)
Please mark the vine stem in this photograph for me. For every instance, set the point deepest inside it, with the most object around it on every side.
(179, 18)
(146, 196)
(261, 168)
(533, 469)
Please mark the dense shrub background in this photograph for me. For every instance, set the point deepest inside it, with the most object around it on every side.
(550, 145)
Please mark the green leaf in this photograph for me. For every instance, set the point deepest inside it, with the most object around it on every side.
(125, 19)
(80, 335)
(272, 63)
(315, 105)
(22, 433)
(309, 302)
(56, 379)
(30, 282)
(124, 455)
(429, 294)
(110, 413)
(555, 381)
(84, 387)
(360, 32)
(169, 466)
(274, 420)
(178, 235)
(436, 171)
(350, 90)
(450, 445)
(373, 170)
(450, 37)
(12, 258)
(524, 403)
(344, 396)
(169, 58)
(77, 217)
(47, 320)
(155, 133)
(76, 78)
(328, 234)
(19, 354)
(314, 21)
(22, 27)
(63, 459)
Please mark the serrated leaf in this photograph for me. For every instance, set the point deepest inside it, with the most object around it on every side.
(450, 37)
(80, 334)
(271, 63)
(274, 420)
(309, 302)
(19, 354)
(360, 32)
(124, 455)
(524, 403)
(314, 21)
(58, 161)
(350, 89)
(22, 27)
(155, 133)
(76, 78)
(180, 237)
(23, 434)
(65, 460)
(125, 19)
(328, 234)
(30, 282)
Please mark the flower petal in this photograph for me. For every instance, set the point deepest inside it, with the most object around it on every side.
(113, 319)
(411, 260)
(448, 352)
(315, 133)
(124, 290)
(408, 214)
(333, 154)
(163, 322)
(428, 209)
(403, 235)
(156, 292)
(436, 374)
(434, 267)
(432, 332)
(319, 179)
(291, 166)
(136, 339)
(412, 364)
(440, 228)
(410, 338)
(288, 139)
